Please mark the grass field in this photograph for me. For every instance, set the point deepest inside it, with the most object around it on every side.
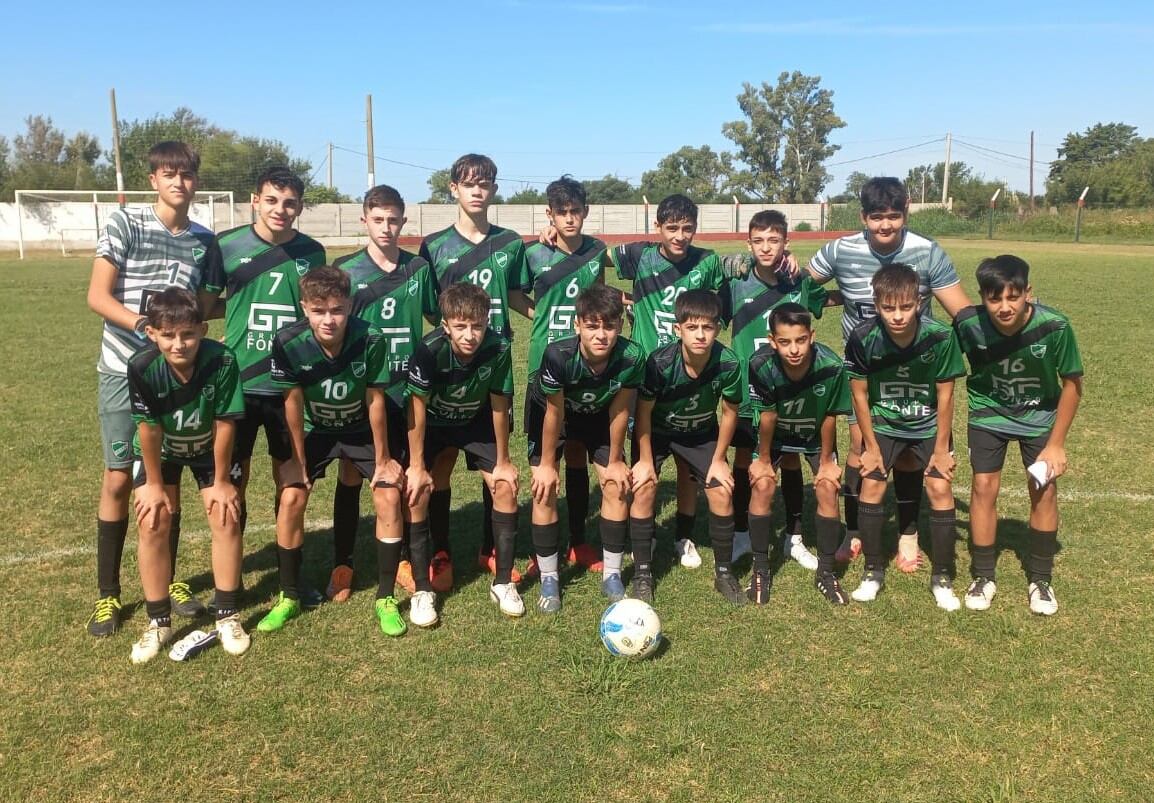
(894, 701)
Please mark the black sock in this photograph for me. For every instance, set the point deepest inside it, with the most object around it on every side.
(346, 517)
(160, 611)
(828, 538)
(406, 529)
(226, 603)
(721, 538)
(388, 557)
(760, 528)
(983, 560)
(488, 545)
(683, 526)
(546, 538)
(505, 532)
(793, 497)
(577, 502)
(943, 537)
(419, 543)
(849, 490)
(1040, 561)
(173, 544)
(289, 561)
(741, 494)
(908, 493)
(641, 536)
(613, 535)
(110, 537)
(870, 519)
(438, 522)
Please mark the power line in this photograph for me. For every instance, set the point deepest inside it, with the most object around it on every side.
(886, 153)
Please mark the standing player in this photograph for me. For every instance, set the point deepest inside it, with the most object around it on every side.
(1025, 385)
(852, 261)
(141, 252)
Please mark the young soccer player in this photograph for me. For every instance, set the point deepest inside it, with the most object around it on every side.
(583, 394)
(141, 252)
(746, 303)
(851, 262)
(475, 251)
(392, 290)
(1025, 384)
(902, 369)
(797, 389)
(334, 370)
(553, 275)
(186, 398)
(258, 267)
(677, 415)
(459, 396)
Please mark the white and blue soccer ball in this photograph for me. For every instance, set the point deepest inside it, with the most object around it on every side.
(630, 628)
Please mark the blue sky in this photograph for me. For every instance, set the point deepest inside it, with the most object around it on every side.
(587, 88)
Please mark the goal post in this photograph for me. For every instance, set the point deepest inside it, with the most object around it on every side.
(75, 218)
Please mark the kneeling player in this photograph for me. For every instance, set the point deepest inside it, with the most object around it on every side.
(677, 415)
(334, 371)
(582, 395)
(186, 397)
(797, 388)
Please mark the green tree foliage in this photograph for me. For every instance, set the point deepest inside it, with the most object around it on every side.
(438, 183)
(853, 184)
(320, 194)
(44, 158)
(527, 195)
(701, 173)
(611, 190)
(1111, 159)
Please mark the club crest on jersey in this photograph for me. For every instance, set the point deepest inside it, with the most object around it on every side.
(484, 372)
(819, 390)
(501, 259)
(614, 385)
(927, 356)
(1038, 350)
(593, 266)
(198, 254)
(695, 278)
(209, 391)
(120, 449)
(716, 385)
(794, 297)
(358, 369)
(413, 287)
(302, 266)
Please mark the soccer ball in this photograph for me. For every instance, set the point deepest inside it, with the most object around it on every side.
(631, 629)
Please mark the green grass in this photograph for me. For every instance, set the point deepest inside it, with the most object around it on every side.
(795, 701)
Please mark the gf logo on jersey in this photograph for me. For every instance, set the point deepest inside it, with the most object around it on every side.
(501, 259)
(1038, 350)
(358, 369)
(413, 287)
(302, 266)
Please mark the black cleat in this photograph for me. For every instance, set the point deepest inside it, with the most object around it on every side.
(830, 588)
(727, 585)
(643, 587)
(183, 602)
(105, 618)
(760, 584)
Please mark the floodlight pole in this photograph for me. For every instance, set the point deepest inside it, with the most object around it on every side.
(646, 202)
(946, 171)
(736, 214)
(369, 134)
(993, 203)
(1078, 219)
(116, 150)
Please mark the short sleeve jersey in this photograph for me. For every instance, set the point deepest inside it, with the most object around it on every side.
(454, 391)
(903, 381)
(852, 263)
(263, 284)
(494, 264)
(564, 370)
(657, 283)
(395, 303)
(1014, 381)
(554, 279)
(335, 388)
(184, 411)
(801, 406)
(148, 258)
(685, 404)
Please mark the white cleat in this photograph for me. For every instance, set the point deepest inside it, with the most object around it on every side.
(686, 552)
(507, 598)
(151, 642)
(980, 594)
(423, 609)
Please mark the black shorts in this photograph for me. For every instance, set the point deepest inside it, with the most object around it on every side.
(745, 436)
(892, 448)
(695, 450)
(812, 458)
(203, 470)
(475, 438)
(397, 424)
(591, 431)
(988, 449)
(267, 412)
(322, 448)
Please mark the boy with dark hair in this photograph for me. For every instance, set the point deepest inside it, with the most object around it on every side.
(677, 415)
(141, 252)
(852, 261)
(553, 275)
(186, 398)
(459, 395)
(334, 369)
(1025, 385)
(392, 290)
(583, 394)
(902, 369)
(797, 388)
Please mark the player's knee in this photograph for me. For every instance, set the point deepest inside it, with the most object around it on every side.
(940, 493)
(293, 501)
(826, 495)
(117, 484)
(387, 501)
(985, 487)
(872, 490)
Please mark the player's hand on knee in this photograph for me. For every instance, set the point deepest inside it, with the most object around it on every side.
(643, 474)
(505, 472)
(616, 480)
(388, 475)
(762, 475)
(719, 476)
(418, 482)
(221, 502)
(829, 472)
(544, 483)
(150, 501)
(944, 463)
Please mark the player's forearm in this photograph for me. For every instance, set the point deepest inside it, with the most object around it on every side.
(859, 396)
(619, 424)
(223, 436)
(551, 430)
(767, 424)
(834, 299)
(1067, 408)
(501, 427)
(828, 439)
(642, 431)
(151, 436)
(378, 425)
(295, 421)
(945, 415)
(416, 430)
(725, 430)
(953, 299)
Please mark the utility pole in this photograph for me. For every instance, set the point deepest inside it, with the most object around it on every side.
(1031, 171)
(330, 165)
(369, 133)
(116, 150)
(946, 172)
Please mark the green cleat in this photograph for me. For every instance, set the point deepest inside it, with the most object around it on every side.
(284, 610)
(389, 617)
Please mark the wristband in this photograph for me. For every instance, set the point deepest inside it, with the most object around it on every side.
(139, 326)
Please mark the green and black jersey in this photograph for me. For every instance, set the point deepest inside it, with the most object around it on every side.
(494, 264)
(1015, 382)
(554, 279)
(657, 283)
(902, 382)
(395, 303)
(263, 294)
(685, 404)
(564, 370)
(454, 391)
(184, 411)
(801, 406)
(335, 388)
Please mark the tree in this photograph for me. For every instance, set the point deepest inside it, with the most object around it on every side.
(785, 139)
(611, 190)
(1111, 159)
(853, 184)
(439, 187)
(320, 194)
(5, 168)
(701, 173)
(44, 158)
(527, 195)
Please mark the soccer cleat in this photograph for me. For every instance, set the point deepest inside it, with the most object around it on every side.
(741, 544)
(850, 548)
(550, 599)
(389, 618)
(799, 552)
(148, 647)
(105, 618)
(612, 587)
(507, 599)
(405, 577)
(830, 588)
(193, 644)
(587, 556)
(643, 587)
(727, 585)
(760, 584)
(423, 609)
(980, 594)
(908, 558)
(488, 563)
(532, 570)
(183, 602)
(872, 583)
(311, 598)
(1042, 599)
(232, 636)
(686, 552)
(284, 610)
(441, 572)
(340, 586)
(943, 590)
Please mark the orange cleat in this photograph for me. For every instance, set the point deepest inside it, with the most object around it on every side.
(488, 563)
(405, 577)
(586, 555)
(340, 584)
(849, 550)
(441, 572)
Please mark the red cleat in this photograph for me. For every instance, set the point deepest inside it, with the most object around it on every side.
(488, 563)
(441, 572)
(586, 555)
(849, 550)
